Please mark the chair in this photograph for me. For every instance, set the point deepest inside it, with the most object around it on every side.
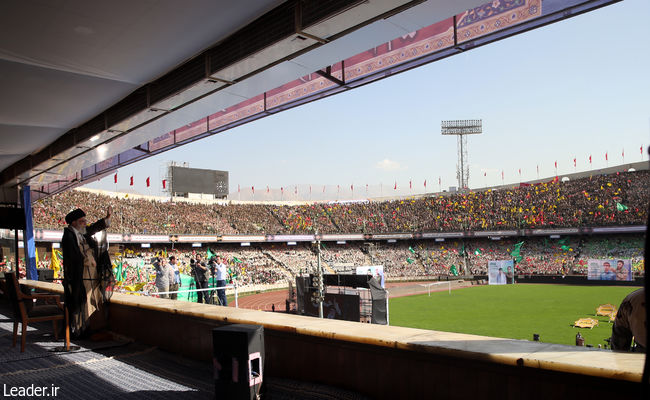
(25, 311)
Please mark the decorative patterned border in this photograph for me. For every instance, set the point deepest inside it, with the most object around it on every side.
(495, 16)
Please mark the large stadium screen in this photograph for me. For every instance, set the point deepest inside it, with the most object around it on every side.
(373, 270)
(194, 180)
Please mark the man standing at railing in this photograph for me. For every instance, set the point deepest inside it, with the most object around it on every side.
(87, 272)
(200, 276)
(222, 277)
(176, 282)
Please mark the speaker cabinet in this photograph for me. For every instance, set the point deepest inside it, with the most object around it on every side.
(238, 360)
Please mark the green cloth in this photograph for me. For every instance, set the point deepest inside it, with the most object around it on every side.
(210, 254)
(453, 270)
(186, 281)
(621, 207)
(477, 252)
(411, 250)
(516, 252)
(410, 260)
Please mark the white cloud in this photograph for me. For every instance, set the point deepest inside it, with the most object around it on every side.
(389, 165)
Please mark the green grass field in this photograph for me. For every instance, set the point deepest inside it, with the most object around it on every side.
(512, 311)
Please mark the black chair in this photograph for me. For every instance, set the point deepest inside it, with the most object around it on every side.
(25, 311)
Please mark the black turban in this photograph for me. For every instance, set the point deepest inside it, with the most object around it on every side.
(74, 215)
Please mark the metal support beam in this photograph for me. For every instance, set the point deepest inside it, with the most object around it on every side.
(327, 74)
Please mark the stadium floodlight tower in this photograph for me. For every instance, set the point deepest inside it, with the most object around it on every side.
(462, 128)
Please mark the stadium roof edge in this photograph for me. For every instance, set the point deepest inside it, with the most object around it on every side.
(123, 135)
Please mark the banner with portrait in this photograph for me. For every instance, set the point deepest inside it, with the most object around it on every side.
(501, 272)
(609, 270)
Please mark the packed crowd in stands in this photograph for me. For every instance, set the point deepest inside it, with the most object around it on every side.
(272, 263)
(618, 199)
(602, 200)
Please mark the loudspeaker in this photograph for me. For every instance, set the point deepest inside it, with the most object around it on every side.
(45, 274)
(238, 360)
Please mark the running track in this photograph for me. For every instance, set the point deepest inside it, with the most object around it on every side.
(265, 301)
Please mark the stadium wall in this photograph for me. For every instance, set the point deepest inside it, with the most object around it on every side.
(385, 361)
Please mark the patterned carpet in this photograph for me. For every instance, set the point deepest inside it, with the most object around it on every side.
(122, 369)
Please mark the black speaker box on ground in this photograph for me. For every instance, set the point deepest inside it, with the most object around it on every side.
(238, 361)
(45, 274)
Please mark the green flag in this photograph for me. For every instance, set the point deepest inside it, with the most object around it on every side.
(620, 207)
(210, 254)
(453, 270)
(118, 273)
(411, 250)
(477, 252)
(237, 260)
(409, 260)
(516, 252)
(565, 247)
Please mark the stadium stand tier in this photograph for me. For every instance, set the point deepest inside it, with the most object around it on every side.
(601, 200)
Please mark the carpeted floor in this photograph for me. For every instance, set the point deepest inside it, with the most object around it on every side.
(122, 369)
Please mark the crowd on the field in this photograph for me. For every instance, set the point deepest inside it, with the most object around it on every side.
(601, 200)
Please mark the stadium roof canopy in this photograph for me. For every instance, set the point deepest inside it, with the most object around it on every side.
(89, 86)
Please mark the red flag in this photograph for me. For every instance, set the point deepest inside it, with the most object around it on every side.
(395, 188)
(556, 164)
(641, 150)
(410, 184)
(131, 184)
(623, 153)
(253, 189)
(590, 159)
(282, 189)
(425, 183)
(484, 173)
(164, 183)
(115, 178)
(519, 171)
(606, 159)
(574, 162)
(148, 182)
(352, 188)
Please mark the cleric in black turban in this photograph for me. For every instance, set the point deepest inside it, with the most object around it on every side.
(87, 272)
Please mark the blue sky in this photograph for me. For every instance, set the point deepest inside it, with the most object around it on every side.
(570, 89)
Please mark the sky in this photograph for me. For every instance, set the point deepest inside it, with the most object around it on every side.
(574, 88)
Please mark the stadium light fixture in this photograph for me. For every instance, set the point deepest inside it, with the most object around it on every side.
(462, 128)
